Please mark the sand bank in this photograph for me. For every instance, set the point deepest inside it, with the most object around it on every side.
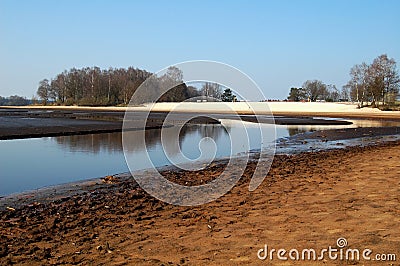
(277, 108)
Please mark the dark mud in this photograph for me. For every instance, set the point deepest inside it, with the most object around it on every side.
(26, 123)
(347, 133)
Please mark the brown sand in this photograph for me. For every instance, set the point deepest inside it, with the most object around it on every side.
(306, 201)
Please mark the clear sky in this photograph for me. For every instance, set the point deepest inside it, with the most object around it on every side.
(280, 44)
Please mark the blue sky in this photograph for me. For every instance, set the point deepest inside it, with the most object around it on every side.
(280, 44)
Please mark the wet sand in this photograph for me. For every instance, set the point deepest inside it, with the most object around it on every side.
(30, 123)
(348, 133)
(306, 201)
(34, 123)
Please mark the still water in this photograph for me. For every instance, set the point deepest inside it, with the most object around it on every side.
(28, 164)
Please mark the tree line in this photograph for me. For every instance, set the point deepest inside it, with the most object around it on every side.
(115, 86)
(314, 90)
(370, 84)
(376, 83)
(91, 86)
(14, 100)
(97, 87)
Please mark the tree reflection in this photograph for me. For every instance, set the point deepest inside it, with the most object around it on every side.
(112, 142)
(94, 143)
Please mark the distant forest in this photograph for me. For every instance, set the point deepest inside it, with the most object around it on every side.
(97, 87)
(14, 100)
(115, 87)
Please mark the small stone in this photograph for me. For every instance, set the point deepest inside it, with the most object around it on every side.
(108, 248)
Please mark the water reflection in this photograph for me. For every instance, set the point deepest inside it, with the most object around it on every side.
(94, 143)
(296, 130)
(187, 138)
(112, 142)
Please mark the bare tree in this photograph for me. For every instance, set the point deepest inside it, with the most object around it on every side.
(43, 91)
(333, 94)
(384, 77)
(345, 94)
(358, 83)
(212, 91)
(314, 89)
(374, 83)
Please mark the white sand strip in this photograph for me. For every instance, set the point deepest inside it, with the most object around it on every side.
(245, 107)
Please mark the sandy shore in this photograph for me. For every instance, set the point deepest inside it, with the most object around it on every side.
(306, 201)
(277, 108)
